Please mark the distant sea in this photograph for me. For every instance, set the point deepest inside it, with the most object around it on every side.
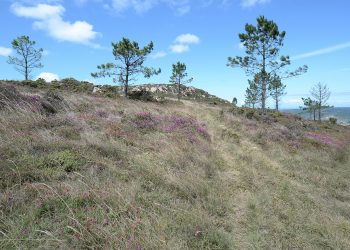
(342, 114)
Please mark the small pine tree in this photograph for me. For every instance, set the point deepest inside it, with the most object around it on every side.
(310, 106)
(252, 96)
(179, 76)
(321, 94)
(131, 58)
(28, 56)
(276, 89)
(234, 102)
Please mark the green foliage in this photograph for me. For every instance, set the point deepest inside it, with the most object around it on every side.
(333, 120)
(74, 85)
(263, 43)
(234, 101)
(66, 160)
(277, 89)
(310, 106)
(321, 94)
(178, 77)
(130, 59)
(28, 57)
(250, 114)
(253, 92)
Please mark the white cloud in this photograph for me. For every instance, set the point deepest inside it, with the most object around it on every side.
(47, 76)
(187, 39)
(252, 3)
(182, 42)
(323, 51)
(141, 6)
(5, 51)
(159, 54)
(179, 48)
(49, 19)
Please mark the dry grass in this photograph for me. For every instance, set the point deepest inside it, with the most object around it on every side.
(92, 177)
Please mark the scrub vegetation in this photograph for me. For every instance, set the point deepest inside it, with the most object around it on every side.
(93, 172)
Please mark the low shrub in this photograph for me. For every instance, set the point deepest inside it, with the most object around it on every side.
(11, 98)
(171, 124)
(333, 120)
(250, 114)
(142, 95)
(66, 160)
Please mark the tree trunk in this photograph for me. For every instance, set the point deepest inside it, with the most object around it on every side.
(126, 82)
(263, 92)
(26, 70)
(276, 103)
(263, 83)
(314, 114)
(178, 91)
(319, 113)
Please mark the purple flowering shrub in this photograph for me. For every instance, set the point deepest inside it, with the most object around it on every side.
(11, 98)
(187, 126)
(323, 139)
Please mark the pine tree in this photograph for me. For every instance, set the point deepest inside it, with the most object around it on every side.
(321, 94)
(276, 89)
(262, 47)
(179, 76)
(29, 57)
(252, 96)
(130, 58)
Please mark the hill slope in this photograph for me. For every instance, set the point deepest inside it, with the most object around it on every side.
(107, 173)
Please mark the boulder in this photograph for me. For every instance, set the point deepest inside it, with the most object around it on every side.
(96, 90)
(53, 103)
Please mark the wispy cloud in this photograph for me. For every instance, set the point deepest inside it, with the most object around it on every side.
(187, 39)
(5, 51)
(159, 54)
(49, 18)
(323, 51)
(179, 48)
(181, 7)
(252, 3)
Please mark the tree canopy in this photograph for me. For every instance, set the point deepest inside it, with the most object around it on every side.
(263, 43)
(28, 58)
(130, 59)
(179, 76)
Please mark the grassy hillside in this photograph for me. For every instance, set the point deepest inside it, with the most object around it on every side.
(112, 173)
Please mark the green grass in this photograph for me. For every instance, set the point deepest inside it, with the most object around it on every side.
(88, 178)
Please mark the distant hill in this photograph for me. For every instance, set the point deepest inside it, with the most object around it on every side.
(342, 114)
(171, 90)
(157, 90)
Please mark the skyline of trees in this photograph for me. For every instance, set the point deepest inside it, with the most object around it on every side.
(262, 42)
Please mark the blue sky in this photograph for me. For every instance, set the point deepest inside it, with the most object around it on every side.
(77, 34)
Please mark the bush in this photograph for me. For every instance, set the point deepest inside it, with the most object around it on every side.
(142, 95)
(333, 120)
(250, 114)
(66, 160)
(11, 98)
(110, 91)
